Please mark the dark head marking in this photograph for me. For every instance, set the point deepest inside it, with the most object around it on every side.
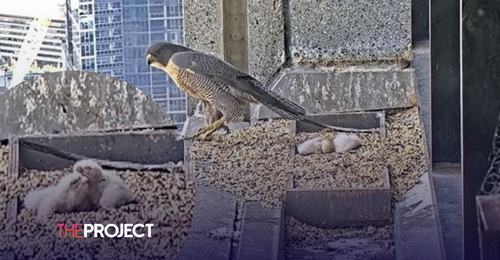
(161, 52)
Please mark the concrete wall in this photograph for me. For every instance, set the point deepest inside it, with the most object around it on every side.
(202, 32)
(73, 101)
(360, 30)
(445, 81)
(481, 92)
(295, 36)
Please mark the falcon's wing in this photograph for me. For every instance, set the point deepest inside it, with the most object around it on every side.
(209, 66)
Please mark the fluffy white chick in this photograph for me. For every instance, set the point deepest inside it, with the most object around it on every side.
(311, 146)
(344, 143)
(115, 192)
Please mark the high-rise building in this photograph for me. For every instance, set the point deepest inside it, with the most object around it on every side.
(13, 32)
(111, 37)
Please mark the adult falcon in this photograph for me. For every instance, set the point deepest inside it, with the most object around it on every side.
(221, 87)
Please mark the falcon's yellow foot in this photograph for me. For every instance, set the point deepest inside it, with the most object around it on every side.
(208, 130)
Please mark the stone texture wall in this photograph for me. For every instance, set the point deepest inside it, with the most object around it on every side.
(297, 36)
(202, 32)
(266, 39)
(74, 101)
(359, 30)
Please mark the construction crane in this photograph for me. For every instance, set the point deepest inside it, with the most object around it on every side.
(29, 49)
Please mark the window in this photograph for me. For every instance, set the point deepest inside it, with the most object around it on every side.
(177, 105)
(131, 68)
(152, 2)
(87, 37)
(157, 9)
(88, 64)
(87, 50)
(172, 37)
(158, 25)
(174, 24)
(135, 2)
(136, 53)
(136, 26)
(174, 91)
(146, 90)
(157, 37)
(143, 67)
(173, 11)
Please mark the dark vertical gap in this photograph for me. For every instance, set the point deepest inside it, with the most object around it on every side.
(420, 21)
(445, 82)
(287, 33)
(481, 105)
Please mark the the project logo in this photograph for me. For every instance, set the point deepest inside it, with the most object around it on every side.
(110, 230)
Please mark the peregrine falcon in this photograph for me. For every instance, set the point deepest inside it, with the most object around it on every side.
(221, 86)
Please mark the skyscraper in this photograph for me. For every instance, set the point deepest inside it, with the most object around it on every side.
(13, 32)
(111, 37)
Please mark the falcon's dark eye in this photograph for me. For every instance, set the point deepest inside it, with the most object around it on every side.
(158, 52)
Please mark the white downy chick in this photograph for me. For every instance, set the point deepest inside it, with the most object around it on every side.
(311, 146)
(94, 173)
(69, 195)
(115, 192)
(344, 143)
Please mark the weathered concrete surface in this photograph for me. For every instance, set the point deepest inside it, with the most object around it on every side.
(266, 40)
(488, 207)
(417, 231)
(157, 147)
(327, 92)
(350, 30)
(421, 61)
(330, 208)
(262, 233)
(235, 33)
(367, 120)
(75, 101)
(448, 189)
(202, 32)
(359, 248)
(214, 209)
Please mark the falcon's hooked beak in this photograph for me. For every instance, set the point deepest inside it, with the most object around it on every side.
(150, 59)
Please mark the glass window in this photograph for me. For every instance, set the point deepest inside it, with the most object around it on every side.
(157, 37)
(174, 91)
(146, 90)
(177, 117)
(177, 105)
(158, 25)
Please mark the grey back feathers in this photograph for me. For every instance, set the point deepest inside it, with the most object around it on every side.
(241, 85)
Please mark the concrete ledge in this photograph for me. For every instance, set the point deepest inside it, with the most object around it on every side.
(488, 208)
(155, 147)
(369, 120)
(417, 233)
(348, 91)
(214, 209)
(262, 233)
(329, 208)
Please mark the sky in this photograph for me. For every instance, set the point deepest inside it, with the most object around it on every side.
(40, 8)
